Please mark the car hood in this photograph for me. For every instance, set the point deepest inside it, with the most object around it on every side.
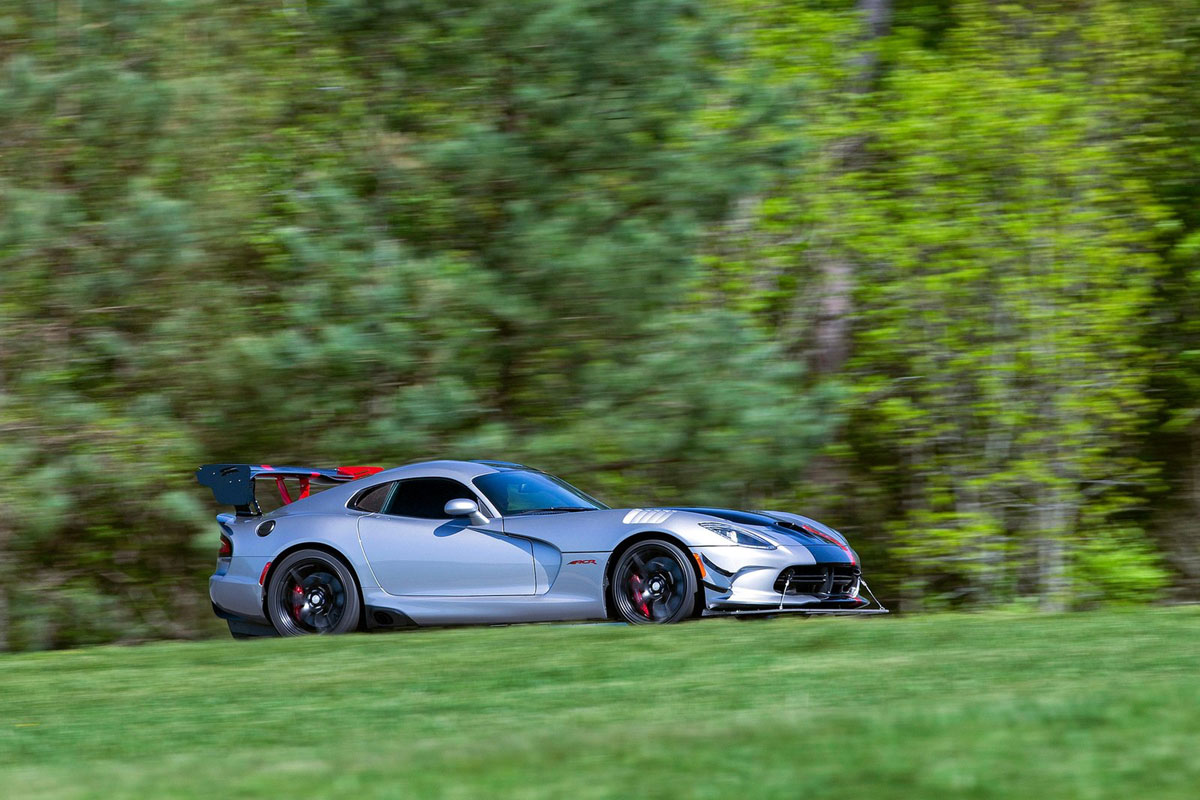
(604, 529)
(788, 530)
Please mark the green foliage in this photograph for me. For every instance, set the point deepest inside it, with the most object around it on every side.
(233, 234)
(595, 236)
(1007, 244)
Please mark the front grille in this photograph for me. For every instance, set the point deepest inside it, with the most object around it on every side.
(818, 579)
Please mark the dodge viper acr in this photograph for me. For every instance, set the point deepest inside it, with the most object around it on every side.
(491, 542)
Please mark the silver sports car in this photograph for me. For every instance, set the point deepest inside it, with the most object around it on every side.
(487, 542)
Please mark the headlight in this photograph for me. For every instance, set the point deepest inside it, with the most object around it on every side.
(737, 535)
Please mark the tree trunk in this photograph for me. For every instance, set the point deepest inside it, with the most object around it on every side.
(877, 21)
(1054, 522)
(831, 334)
(5, 638)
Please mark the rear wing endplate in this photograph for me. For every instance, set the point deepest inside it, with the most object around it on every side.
(233, 484)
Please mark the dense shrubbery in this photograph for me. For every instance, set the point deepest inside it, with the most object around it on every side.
(932, 277)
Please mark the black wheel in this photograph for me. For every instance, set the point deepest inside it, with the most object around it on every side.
(311, 591)
(653, 583)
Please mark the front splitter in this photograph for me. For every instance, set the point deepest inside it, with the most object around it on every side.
(808, 612)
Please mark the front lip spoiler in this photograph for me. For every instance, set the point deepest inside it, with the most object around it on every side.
(808, 612)
(821, 609)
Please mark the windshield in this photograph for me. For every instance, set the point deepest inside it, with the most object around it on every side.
(517, 491)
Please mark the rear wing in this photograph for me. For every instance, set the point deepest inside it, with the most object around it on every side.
(233, 484)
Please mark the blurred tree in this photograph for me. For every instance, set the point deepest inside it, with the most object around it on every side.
(542, 175)
(848, 155)
(1167, 155)
(93, 251)
(361, 232)
(1004, 245)
(605, 238)
(1001, 343)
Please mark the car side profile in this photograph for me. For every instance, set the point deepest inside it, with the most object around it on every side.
(487, 542)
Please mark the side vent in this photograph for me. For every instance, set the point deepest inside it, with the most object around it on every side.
(387, 618)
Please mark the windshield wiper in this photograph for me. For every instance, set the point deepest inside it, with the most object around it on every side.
(551, 508)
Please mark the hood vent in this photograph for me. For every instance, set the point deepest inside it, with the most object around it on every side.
(647, 516)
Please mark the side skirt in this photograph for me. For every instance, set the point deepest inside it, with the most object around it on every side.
(387, 619)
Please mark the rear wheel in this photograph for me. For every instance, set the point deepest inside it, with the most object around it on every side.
(653, 583)
(312, 591)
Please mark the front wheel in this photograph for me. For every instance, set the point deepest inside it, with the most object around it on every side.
(312, 591)
(653, 583)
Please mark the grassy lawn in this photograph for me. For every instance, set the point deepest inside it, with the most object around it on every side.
(1004, 706)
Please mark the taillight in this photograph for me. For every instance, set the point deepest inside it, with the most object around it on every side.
(226, 550)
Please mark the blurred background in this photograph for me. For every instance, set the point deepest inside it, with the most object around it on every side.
(925, 269)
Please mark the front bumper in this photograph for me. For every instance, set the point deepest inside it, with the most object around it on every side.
(746, 581)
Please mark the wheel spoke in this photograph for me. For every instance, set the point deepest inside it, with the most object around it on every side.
(672, 602)
(312, 597)
(658, 609)
(653, 583)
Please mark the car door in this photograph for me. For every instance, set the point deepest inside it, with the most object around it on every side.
(415, 549)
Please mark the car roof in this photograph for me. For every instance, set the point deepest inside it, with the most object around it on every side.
(449, 468)
(501, 466)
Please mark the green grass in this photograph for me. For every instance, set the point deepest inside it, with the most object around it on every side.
(987, 706)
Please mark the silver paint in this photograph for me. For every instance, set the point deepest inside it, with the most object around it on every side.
(521, 568)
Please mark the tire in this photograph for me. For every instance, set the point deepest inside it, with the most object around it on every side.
(653, 583)
(310, 592)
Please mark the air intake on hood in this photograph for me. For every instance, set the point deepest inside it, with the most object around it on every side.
(647, 516)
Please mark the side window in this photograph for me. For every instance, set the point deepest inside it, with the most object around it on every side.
(426, 498)
(372, 499)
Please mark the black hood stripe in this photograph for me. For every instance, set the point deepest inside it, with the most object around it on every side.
(783, 530)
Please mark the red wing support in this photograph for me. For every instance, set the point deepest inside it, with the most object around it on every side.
(233, 484)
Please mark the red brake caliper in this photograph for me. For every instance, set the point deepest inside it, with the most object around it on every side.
(635, 583)
(297, 602)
